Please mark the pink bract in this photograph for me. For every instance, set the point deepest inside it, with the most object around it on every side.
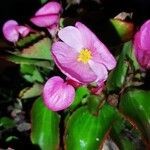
(57, 94)
(81, 56)
(142, 45)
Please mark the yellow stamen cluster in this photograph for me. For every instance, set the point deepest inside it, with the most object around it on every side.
(84, 56)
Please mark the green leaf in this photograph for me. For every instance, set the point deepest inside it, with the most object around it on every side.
(7, 122)
(10, 138)
(31, 73)
(22, 60)
(95, 102)
(31, 92)
(29, 39)
(39, 50)
(27, 69)
(123, 134)
(81, 93)
(43, 1)
(85, 131)
(45, 126)
(118, 75)
(135, 105)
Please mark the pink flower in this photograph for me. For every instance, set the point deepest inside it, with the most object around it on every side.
(47, 16)
(57, 94)
(11, 31)
(142, 45)
(81, 56)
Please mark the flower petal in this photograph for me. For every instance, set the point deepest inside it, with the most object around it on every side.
(53, 29)
(137, 46)
(72, 37)
(86, 35)
(10, 32)
(66, 59)
(49, 8)
(102, 55)
(45, 21)
(100, 71)
(23, 30)
(96, 46)
(145, 35)
(57, 94)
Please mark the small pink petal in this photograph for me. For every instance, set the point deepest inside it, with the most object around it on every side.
(45, 21)
(57, 94)
(73, 83)
(10, 32)
(98, 89)
(72, 37)
(49, 8)
(66, 59)
(100, 71)
(53, 29)
(23, 30)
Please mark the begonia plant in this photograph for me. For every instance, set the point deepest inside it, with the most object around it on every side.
(86, 94)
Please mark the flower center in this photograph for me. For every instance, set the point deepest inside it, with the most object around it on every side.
(84, 56)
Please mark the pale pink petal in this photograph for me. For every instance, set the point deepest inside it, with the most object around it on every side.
(58, 95)
(87, 39)
(10, 32)
(49, 8)
(102, 55)
(98, 49)
(72, 37)
(100, 71)
(23, 30)
(45, 21)
(66, 59)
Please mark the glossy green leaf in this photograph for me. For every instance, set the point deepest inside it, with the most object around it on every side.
(7, 123)
(124, 135)
(94, 102)
(118, 75)
(135, 105)
(45, 126)
(85, 131)
(39, 50)
(31, 92)
(81, 94)
(124, 29)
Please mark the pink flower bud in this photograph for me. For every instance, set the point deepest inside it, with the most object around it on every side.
(57, 94)
(47, 15)
(23, 30)
(11, 31)
(142, 45)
